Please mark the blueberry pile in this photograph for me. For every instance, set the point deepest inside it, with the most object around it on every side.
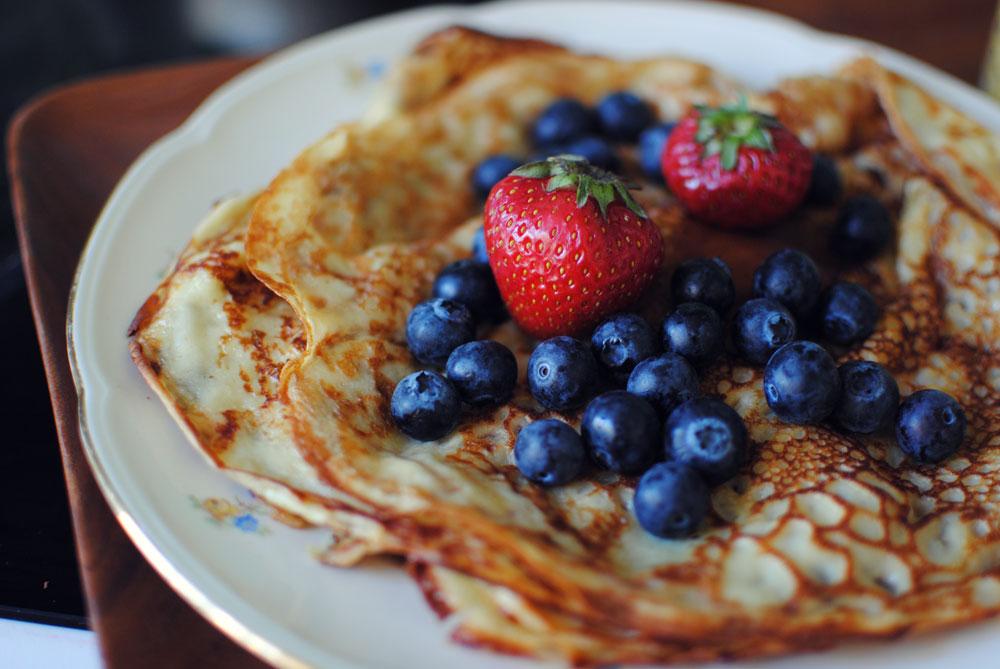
(653, 422)
(658, 427)
(441, 333)
(802, 382)
(569, 126)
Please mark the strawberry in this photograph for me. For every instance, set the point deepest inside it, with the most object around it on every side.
(736, 168)
(568, 245)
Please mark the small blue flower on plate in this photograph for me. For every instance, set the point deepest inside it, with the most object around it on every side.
(246, 522)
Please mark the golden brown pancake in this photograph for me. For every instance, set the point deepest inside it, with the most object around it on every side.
(283, 376)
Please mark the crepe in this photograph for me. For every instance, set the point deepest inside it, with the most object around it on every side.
(282, 377)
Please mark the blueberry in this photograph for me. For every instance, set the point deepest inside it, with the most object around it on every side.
(546, 152)
(791, 278)
(664, 381)
(479, 251)
(825, 184)
(491, 170)
(705, 280)
(760, 327)
(437, 327)
(562, 121)
(869, 398)
(863, 228)
(597, 152)
(671, 500)
(425, 406)
(930, 425)
(651, 143)
(549, 452)
(801, 383)
(621, 342)
(484, 372)
(709, 435)
(562, 373)
(623, 115)
(471, 282)
(622, 432)
(847, 313)
(693, 330)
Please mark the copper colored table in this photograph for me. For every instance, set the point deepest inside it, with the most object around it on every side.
(66, 151)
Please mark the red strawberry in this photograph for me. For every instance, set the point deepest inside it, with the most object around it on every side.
(736, 168)
(568, 245)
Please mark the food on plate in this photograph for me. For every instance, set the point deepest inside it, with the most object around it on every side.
(801, 383)
(760, 327)
(790, 278)
(694, 330)
(281, 337)
(847, 312)
(863, 229)
(621, 342)
(568, 245)
(549, 452)
(735, 167)
(705, 280)
(869, 397)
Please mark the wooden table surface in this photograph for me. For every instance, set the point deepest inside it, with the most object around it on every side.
(66, 151)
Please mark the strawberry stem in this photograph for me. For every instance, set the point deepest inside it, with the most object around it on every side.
(568, 170)
(723, 130)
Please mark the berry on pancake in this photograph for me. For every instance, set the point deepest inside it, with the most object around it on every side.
(736, 168)
(621, 342)
(707, 434)
(562, 373)
(568, 245)
(549, 452)
(621, 431)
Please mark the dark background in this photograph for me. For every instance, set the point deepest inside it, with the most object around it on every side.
(48, 42)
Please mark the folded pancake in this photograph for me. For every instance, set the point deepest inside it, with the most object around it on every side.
(821, 537)
(951, 147)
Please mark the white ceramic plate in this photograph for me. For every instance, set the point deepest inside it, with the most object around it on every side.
(251, 576)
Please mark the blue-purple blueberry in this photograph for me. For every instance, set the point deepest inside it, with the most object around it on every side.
(479, 249)
(621, 431)
(801, 383)
(708, 435)
(930, 426)
(664, 381)
(825, 184)
(425, 405)
(705, 280)
(791, 278)
(869, 398)
(694, 330)
(596, 150)
(564, 120)
(484, 372)
(549, 452)
(437, 327)
(760, 327)
(862, 229)
(846, 313)
(651, 143)
(621, 342)
(472, 283)
(490, 171)
(623, 115)
(562, 373)
(671, 500)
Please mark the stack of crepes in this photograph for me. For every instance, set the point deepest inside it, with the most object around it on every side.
(277, 340)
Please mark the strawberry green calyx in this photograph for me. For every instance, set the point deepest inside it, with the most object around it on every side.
(725, 129)
(568, 170)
